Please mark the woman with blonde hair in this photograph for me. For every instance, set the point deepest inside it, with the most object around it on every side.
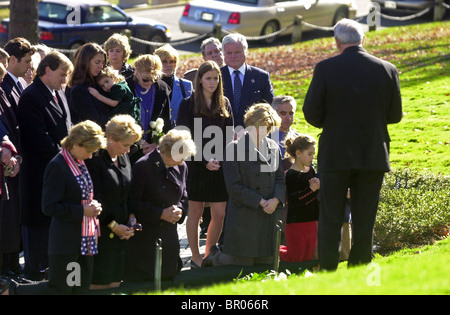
(118, 49)
(68, 198)
(110, 169)
(254, 179)
(154, 93)
(159, 196)
(207, 108)
(180, 88)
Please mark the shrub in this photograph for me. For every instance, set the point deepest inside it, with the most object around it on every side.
(413, 209)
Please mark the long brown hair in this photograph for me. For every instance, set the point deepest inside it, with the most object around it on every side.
(218, 102)
(83, 56)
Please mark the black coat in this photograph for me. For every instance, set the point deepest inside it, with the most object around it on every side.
(353, 96)
(8, 117)
(10, 228)
(87, 107)
(161, 107)
(153, 189)
(61, 201)
(111, 189)
(12, 90)
(43, 124)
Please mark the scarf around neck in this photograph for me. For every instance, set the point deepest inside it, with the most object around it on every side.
(90, 227)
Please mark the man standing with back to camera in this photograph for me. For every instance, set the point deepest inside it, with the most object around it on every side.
(352, 97)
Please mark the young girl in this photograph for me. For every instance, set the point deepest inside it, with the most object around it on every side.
(303, 209)
(207, 108)
(120, 97)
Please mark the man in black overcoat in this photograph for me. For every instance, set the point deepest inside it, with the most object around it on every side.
(20, 52)
(352, 97)
(44, 120)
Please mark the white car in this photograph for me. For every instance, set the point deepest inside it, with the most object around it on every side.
(262, 17)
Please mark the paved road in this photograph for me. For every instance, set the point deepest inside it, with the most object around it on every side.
(171, 15)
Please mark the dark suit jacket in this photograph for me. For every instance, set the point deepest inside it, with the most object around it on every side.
(152, 190)
(12, 90)
(8, 117)
(61, 201)
(43, 124)
(353, 96)
(256, 88)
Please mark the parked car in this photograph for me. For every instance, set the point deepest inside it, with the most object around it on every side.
(393, 7)
(262, 17)
(68, 24)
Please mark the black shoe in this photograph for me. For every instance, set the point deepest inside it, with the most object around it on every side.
(208, 261)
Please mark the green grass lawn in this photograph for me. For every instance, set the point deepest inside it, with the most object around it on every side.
(421, 141)
(409, 271)
(421, 53)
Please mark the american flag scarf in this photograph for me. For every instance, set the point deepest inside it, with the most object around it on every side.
(90, 227)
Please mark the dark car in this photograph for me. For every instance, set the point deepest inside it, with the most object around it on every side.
(68, 24)
(396, 7)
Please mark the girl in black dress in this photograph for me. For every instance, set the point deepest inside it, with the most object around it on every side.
(302, 187)
(208, 115)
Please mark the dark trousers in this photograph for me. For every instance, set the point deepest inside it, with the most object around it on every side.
(35, 251)
(64, 277)
(365, 186)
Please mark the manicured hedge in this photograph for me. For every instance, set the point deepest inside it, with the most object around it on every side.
(414, 209)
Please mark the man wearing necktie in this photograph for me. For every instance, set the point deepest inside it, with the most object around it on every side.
(44, 120)
(237, 91)
(254, 85)
(20, 52)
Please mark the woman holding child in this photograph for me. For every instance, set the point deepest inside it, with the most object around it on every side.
(89, 61)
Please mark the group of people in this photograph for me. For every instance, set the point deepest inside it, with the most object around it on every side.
(108, 162)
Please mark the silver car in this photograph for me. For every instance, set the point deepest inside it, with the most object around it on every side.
(262, 17)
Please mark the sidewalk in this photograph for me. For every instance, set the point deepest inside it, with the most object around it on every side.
(185, 251)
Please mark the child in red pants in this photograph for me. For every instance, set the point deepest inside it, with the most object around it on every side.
(303, 209)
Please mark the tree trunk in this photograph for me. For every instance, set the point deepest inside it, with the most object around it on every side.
(24, 20)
